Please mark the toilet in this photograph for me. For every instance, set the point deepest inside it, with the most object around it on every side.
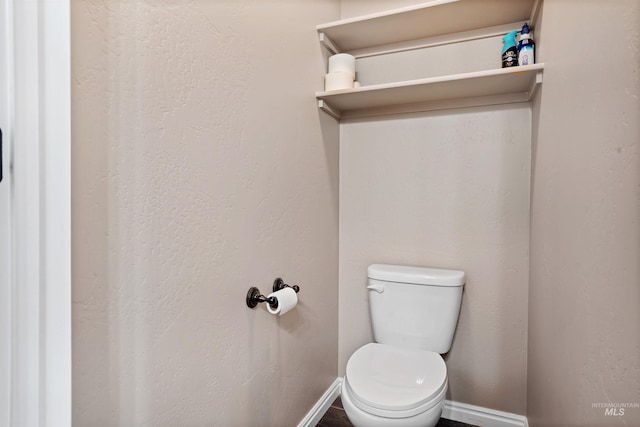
(401, 379)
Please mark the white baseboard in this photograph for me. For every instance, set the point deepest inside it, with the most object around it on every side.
(322, 405)
(484, 417)
(462, 412)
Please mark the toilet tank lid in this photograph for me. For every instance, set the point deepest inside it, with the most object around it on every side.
(416, 275)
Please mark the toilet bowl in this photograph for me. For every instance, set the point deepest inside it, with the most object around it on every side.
(394, 387)
(401, 379)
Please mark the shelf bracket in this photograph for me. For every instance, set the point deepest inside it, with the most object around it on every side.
(336, 114)
(328, 43)
(537, 81)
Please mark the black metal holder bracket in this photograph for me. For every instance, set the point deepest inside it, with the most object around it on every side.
(279, 284)
(255, 297)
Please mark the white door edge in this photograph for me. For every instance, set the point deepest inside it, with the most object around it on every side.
(40, 353)
(5, 216)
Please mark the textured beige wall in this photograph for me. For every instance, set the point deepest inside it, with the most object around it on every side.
(476, 55)
(351, 8)
(201, 166)
(584, 322)
(446, 190)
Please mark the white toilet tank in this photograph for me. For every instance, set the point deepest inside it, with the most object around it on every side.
(414, 307)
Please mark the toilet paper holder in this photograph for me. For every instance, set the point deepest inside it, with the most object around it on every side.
(255, 297)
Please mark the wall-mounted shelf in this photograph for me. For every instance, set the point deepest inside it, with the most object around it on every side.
(435, 19)
(492, 87)
(421, 26)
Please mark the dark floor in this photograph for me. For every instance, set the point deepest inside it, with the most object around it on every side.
(336, 417)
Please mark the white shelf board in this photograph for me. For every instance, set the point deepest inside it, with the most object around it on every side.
(426, 20)
(505, 85)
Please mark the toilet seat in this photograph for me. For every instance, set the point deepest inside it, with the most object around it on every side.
(395, 382)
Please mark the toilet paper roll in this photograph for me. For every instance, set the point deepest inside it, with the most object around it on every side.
(287, 299)
(338, 80)
(343, 63)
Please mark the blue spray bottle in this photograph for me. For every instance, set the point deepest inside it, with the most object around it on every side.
(525, 47)
(509, 50)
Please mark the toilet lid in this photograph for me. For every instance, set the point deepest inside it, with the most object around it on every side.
(395, 379)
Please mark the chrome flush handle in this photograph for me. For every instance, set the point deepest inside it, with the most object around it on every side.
(378, 288)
